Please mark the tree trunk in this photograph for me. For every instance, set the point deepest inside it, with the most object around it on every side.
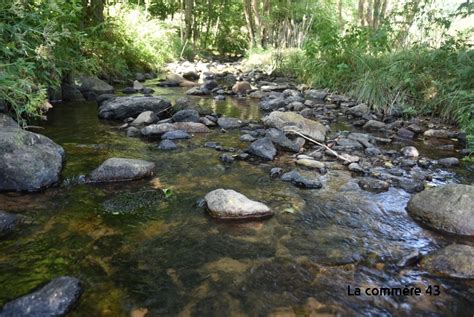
(250, 22)
(368, 15)
(188, 18)
(258, 22)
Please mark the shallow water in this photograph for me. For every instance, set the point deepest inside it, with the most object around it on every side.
(136, 251)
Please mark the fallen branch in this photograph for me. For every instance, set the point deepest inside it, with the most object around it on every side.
(317, 143)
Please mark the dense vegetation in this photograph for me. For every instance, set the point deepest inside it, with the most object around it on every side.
(394, 55)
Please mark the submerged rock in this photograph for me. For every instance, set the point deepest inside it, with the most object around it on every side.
(229, 204)
(448, 208)
(456, 260)
(8, 223)
(121, 169)
(126, 203)
(120, 108)
(263, 148)
(28, 161)
(296, 122)
(54, 299)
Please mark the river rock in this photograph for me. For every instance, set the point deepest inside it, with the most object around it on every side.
(8, 223)
(269, 104)
(191, 127)
(54, 299)
(448, 161)
(296, 122)
(447, 208)
(155, 130)
(187, 115)
(137, 85)
(438, 134)
(299, 180)
(129, 90)
(410, 151)
(86, 84)
(263, 148)
(247, 138)
(405, 133)
(145, 118)
(120, 108)
(176, 135)
(167, 145)
(197, 91)
(191, 75)
(229, 204)
(455, 260)
(241, 87)
(229, 123)
(373, 185)
(359, 110)
(7, 122)
(121, 169)
(279, 138)
(316, 94)
(374, 125)
(209, 85)
(310, 163)
(133, 132)
(28, 161)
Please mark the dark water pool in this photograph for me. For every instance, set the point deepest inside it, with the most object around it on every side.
(136, 251)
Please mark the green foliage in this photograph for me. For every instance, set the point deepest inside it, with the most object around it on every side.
(43, 41)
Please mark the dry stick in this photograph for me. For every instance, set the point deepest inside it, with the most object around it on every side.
(318, 143)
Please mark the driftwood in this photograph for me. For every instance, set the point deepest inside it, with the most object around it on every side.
(342, 158)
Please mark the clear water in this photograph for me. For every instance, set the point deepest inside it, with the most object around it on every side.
(137, 252)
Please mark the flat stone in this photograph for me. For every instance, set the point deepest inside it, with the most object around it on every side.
(438, 134)
(230, 123)
(455, 260)
(229, 204)
(155, 130)
(167, 145)
(299, 180)
(191, 127)
(121, 169)
(448, 208)
(310, 163)
(374, 125)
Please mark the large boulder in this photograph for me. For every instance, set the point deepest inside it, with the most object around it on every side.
(54, 299)
(456, 260)
(92, 84)
(8, 223)
(28, 161)
(448, 208)
(293, 121)
(263, 148)
(121, 169)
(229, 204)
(70, 92)
(120, 108)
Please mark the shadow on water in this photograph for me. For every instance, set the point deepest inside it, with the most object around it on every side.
(134, 249)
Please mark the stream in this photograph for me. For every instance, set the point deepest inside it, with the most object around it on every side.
(138, 252)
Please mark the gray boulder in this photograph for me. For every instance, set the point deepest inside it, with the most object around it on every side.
(263, 148)
(373, 185)
(121, 169)
(268, 104)
(120, 108)
(28, 161)
(187, 115)
(448, 208)
(359, 110)
(70, 92)
(448, 161)
(191, 127)
(92, 84)
(316, 94)
(54, 299)
(8, 223)
(293, 121)
(455, 260)
(229, 204)
(374, 125)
